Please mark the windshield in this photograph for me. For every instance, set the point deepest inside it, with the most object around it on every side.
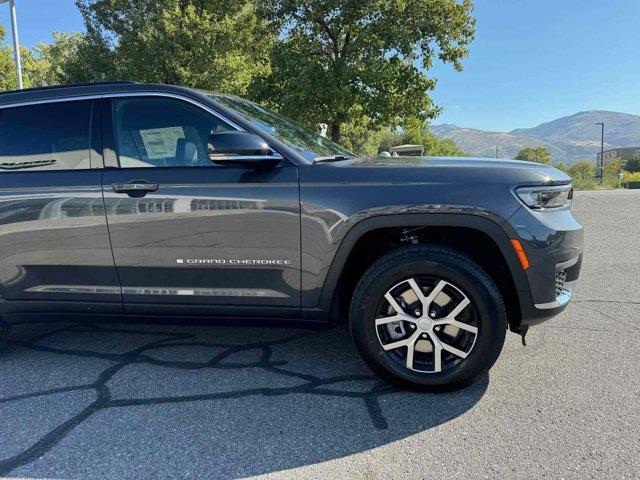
(308, 143)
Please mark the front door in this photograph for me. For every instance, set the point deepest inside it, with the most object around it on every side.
(187, 234)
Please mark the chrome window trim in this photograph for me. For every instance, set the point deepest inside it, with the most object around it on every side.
(99, 96)
(178, 97)
(50, 100)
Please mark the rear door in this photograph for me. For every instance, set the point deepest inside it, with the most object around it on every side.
(188, 235)
(54, 245)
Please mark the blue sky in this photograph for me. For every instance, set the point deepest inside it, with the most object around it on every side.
(532, 60)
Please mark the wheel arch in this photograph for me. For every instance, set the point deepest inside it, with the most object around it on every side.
(482, 232)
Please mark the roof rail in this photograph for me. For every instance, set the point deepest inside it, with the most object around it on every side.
(69, 85)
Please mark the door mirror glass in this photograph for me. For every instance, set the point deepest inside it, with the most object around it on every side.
(240, 148)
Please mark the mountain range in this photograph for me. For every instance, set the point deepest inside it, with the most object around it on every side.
(568, 138)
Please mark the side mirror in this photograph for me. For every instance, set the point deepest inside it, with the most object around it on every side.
(241, 148)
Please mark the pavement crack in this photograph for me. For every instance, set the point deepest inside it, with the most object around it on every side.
(311, 384)
(622, 321)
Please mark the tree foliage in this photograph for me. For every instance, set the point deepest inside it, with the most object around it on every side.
(583, 174)
(337, 59)
(360, 137)
(535, 154)
(34, 69)
(358, 66)
(582, 170)
(633, 165)
(611, 170)
(7, 69)
(79, 58)
(214, 44)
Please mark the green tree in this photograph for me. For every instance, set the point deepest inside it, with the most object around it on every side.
(582, 170)
(563, 167)
(611, 171)
(391, 137)
(412, 132)
(633, 165)
(337, 59)
(68, 59)
(215, 44)
(33, 67)
(583, 174)
(535, 154)
(7, 69)
(360, 137)
(442, 147)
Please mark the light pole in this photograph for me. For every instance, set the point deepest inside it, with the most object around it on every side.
(16, 43)
(601, 150)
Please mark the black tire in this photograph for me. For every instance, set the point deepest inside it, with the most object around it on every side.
(451, 266)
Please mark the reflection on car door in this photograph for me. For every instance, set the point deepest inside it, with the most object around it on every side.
(191, 234)
(53, 232)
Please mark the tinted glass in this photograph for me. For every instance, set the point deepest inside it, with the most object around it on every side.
(50, 136)
(163, 132)
(307, 142)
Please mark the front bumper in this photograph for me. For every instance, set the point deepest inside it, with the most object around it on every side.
(566, 276)
(534, 313)
(553, 242)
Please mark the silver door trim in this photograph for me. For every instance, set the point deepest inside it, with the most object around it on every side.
(51, 100)
(178, 97)
(127, 94)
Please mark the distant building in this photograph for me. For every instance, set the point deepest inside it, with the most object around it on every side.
(407, 150)
(625, 153)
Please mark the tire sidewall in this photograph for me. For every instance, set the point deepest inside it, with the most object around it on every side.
(477, 287)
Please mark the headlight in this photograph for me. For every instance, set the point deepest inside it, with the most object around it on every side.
(546, 197)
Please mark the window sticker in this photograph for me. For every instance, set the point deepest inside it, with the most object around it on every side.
(161, 142)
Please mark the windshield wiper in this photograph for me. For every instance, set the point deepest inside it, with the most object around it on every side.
(331, 158)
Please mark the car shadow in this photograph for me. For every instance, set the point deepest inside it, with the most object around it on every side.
(95, 400)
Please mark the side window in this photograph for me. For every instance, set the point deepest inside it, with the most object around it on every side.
(163, 132)
(48, 136)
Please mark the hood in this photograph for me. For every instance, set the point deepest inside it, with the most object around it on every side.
(488, 166)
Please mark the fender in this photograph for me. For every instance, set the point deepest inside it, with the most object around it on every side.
(500, 233)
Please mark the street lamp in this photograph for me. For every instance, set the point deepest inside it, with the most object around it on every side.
(601, 149)
(16, 43)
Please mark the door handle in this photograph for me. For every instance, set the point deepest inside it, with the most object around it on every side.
(135, 188)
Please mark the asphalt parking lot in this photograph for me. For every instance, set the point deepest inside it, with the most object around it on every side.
(105, 401)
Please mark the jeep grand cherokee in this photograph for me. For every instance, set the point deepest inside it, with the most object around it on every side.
(152, 200)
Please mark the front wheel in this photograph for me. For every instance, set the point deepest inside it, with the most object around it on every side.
(428, 318)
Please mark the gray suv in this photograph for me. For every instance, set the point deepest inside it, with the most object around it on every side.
(133, 200)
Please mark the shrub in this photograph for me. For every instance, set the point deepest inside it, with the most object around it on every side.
(582, 170)
(630, 177)
(584, 184)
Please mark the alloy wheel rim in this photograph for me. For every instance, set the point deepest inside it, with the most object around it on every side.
(427, 324)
